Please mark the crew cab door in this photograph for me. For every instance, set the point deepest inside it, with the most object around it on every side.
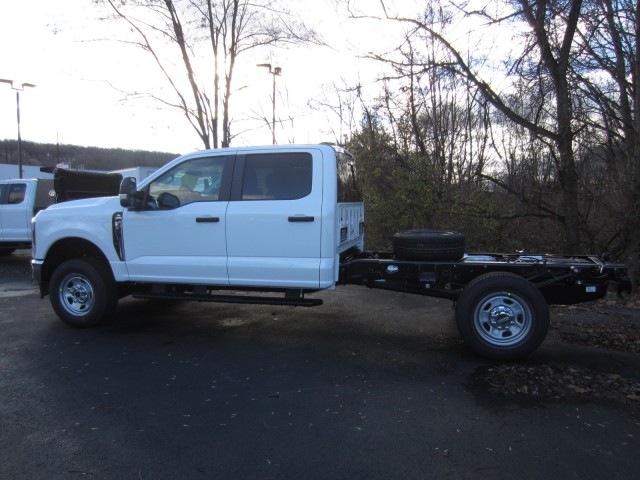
(274, 221)
(177, 235)
(16, 211)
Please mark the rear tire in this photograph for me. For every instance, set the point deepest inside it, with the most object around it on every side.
(429, 245)
(502, 316)
(83, 292)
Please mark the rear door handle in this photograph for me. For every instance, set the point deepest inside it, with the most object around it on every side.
(301, 219)
(207, 219)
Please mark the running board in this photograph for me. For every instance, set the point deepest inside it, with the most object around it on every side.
(245, 299)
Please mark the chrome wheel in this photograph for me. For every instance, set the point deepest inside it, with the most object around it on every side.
(83, 292)
(502, 316)
(76, 294)
(502, 319)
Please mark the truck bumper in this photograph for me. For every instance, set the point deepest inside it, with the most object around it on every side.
(36, 275)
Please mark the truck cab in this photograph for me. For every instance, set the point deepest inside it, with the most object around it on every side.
(247, 218)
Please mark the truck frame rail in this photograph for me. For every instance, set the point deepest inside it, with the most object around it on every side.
(560, 279)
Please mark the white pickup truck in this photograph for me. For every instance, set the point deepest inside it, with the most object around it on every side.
(272, 224)
(20, 200)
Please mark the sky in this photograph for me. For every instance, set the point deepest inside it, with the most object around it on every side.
(79, 78)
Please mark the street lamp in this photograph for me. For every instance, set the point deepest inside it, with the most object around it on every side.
(275, 71)
(18, 87)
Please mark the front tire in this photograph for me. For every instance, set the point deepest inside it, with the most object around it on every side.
(83, 292)
(502, 316)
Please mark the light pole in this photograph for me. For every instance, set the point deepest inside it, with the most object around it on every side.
(275, 71)
(18, 87)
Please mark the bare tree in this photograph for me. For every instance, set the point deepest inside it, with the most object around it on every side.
(548, 44)
(339, 102)
(201, 40)
(421, 144)
(434, 112)
(608, 70)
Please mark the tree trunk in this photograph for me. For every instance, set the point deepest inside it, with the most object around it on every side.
(634, 153)
(557, 65)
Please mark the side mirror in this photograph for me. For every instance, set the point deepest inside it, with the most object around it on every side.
(128, 192)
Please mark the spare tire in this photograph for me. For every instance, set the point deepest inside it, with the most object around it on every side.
(428, 245)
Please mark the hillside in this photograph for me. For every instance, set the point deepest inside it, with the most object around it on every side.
(49, 155)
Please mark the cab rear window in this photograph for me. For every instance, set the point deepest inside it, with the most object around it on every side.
(277, 176)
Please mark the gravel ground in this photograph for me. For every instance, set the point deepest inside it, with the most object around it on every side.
(552, 381)
(608, 325)
(15, 265)
(611, 324)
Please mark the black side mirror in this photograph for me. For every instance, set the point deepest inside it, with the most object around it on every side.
(128, 192)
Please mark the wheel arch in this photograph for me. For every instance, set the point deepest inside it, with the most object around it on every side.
(68, 249)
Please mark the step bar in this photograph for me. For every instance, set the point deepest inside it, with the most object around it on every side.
(293, 299)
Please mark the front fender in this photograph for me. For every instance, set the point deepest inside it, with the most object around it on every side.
(78, 228)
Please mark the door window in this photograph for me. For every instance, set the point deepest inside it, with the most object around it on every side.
(16, 193)
(197, 180)
(279, 176)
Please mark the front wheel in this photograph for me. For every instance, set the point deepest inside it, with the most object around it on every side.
(502, 316)
(83, 292)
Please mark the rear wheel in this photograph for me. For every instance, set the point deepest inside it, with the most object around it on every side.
(502, 316)
(83, 292)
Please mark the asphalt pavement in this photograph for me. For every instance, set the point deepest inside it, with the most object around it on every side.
(371, 385)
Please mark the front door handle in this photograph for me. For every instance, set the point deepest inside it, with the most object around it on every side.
(301, 218)
(207, 219)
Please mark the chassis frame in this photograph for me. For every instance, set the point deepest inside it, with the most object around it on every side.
(560, 279)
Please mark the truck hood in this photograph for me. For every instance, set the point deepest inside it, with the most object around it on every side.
(111, 204)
